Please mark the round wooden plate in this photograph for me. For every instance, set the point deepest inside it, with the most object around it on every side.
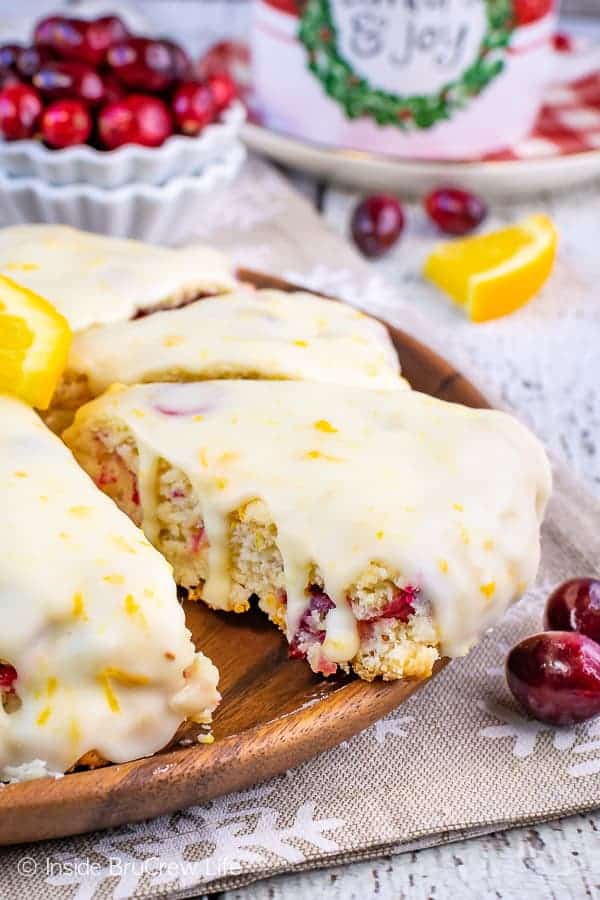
(274, 715)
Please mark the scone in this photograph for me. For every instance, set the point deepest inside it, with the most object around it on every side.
(244, 334)
(377, 529)
(96, 663)
(94, 279)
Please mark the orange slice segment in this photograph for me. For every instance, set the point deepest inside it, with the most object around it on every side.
(493, 274)
(34, 344)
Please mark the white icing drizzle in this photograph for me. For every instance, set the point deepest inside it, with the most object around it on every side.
(450, 498)
(265, 334)
(91, 278)
(90, 618)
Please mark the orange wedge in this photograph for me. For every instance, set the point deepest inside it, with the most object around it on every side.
(34, 344)
(493, 274)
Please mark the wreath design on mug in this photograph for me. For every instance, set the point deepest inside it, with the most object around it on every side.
(359, 98)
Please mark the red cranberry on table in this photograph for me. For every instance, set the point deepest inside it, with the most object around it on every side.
(194, 106)
(377, 223)
(455, 211)
(66, 123)
(575, 606)
(79, 39)
(74, 80)
(555, 676)
(20, 111)
(137, 119)
(143, 63)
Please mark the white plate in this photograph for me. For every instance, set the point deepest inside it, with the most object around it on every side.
(370, 171)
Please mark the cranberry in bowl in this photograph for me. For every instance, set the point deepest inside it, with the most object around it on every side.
(128, 84)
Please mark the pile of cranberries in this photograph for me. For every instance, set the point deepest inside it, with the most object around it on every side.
(378, 221)
(94, 82)
(555, 675)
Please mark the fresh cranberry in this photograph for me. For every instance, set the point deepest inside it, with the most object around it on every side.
(20, 111)
(80, 39)
(138, 119)
(74, 80)
(575, 606)
(8, 676)
(228, 58)
(113, 89)
(528, 11)
(193, 106)
(555, 675)
(65, 123)
(377, 223)
(102, 34)
(8, 55)
(63, 36)
(562, 42)
(143, 63)
(223, 89)
(455, 211)
(180, 61)
(117, 124)
(7, 76)
(30, 59)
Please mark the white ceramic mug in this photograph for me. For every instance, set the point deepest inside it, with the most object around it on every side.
(427, 79)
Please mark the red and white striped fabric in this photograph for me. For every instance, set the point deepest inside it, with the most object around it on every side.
(569, 120)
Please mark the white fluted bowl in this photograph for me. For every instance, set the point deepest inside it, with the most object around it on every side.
(179, 155)
(153, 213)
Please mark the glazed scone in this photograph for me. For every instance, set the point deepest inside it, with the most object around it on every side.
(94, 279)
(96, 663)
(378, 529)
(244, 334)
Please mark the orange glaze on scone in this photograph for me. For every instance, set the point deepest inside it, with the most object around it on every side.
(365, 522)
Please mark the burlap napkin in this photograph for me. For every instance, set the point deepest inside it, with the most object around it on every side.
(458, 759)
